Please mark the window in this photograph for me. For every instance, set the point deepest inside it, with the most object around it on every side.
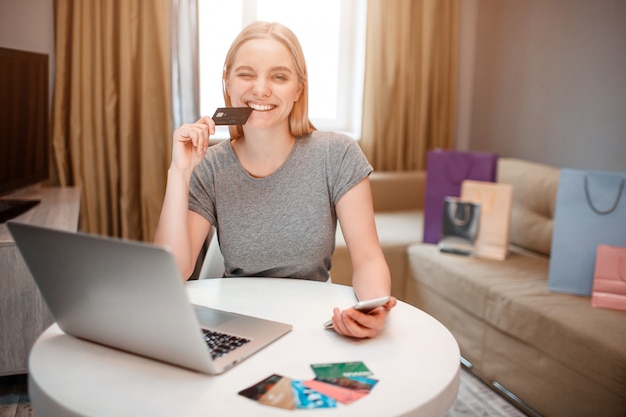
(332, 35)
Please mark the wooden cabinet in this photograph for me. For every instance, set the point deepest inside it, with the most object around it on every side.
(23, 313)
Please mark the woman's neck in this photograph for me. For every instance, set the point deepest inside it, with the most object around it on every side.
(263, 152)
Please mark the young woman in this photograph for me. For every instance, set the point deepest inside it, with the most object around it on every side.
(276, 189)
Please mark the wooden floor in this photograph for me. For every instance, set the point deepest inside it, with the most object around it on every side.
(14, 401)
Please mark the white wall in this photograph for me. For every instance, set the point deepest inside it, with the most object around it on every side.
(28, 25)
(549, 81)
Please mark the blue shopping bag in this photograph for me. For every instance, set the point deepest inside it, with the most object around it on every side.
(590, 210)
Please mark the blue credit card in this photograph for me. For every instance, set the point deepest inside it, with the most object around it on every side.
(308, 398)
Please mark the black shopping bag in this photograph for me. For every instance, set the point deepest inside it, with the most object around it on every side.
(459, 226)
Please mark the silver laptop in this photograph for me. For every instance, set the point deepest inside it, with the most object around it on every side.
(130, 296)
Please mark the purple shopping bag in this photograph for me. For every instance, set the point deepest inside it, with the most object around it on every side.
(445, 171)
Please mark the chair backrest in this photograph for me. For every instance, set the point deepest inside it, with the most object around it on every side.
(213, 264)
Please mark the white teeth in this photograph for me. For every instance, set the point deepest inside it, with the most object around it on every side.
(259, 107)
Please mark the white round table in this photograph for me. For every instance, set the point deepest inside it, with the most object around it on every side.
(415, 359)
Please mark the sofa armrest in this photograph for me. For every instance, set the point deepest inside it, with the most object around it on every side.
(398, 191)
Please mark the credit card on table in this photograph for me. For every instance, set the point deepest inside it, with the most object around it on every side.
(232, 115)
(340, 369)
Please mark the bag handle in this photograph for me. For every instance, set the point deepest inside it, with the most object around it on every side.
(602, 212)
(452, 210)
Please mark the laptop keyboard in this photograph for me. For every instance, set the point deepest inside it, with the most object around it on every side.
(221, 343)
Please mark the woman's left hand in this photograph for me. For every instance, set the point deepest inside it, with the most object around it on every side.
(353, 323)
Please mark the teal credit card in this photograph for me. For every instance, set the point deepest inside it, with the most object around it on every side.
(340, 369)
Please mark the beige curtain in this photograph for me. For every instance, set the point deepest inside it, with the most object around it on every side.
(112, 111)
(409, 103)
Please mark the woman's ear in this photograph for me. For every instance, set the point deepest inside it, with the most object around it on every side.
(299, 93)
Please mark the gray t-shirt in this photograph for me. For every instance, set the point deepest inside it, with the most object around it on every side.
(282, 225)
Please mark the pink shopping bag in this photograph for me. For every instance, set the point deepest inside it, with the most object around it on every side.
(609, 282)
(495, 201)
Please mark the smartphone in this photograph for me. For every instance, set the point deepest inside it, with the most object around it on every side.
(364, 306)
(368, 305)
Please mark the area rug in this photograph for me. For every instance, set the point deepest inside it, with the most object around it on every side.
(477, 399)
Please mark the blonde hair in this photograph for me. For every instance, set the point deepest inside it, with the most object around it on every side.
(299, 123)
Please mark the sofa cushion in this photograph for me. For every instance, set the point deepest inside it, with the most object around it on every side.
(470, 282)
(534, 200)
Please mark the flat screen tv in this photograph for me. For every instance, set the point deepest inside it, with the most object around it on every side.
(24, 133)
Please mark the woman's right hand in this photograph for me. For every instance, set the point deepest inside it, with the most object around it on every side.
(190, 143)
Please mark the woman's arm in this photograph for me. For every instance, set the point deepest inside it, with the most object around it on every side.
(370, 276)
(179, 229)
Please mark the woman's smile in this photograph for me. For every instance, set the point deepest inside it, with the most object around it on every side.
(261, 107)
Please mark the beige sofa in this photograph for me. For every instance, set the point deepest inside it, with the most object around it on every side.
(554, 353)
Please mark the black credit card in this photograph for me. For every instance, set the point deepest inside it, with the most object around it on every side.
(232, 115)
